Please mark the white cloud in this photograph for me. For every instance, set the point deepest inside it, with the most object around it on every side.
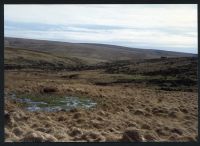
(150, 26)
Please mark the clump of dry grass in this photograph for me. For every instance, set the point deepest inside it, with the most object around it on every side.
(119, 107)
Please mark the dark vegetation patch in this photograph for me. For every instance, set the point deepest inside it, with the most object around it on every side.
(171, 74)
(49, 90)
(72, 76)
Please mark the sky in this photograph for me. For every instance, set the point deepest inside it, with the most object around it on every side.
(171, 27)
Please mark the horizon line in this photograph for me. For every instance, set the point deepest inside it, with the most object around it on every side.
(97, 44)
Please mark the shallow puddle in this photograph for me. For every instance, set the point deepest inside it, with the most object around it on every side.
(66, 103)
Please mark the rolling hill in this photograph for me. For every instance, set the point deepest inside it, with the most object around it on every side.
(89, 53)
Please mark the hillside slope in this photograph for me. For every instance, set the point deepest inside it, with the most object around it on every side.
(91, 53)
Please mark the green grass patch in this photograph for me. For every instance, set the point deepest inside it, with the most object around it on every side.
(47, 98)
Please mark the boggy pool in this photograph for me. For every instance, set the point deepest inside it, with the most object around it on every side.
(65, 103)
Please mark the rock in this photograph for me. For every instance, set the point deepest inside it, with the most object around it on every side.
(37, 136)
(132, 135)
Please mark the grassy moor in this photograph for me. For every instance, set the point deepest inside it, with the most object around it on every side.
(64, 92)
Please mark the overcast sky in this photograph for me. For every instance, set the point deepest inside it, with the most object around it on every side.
(164, 27)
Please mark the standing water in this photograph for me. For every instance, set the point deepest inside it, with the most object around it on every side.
(66, 103)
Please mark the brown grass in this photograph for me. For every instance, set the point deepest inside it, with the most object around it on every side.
(145, 114)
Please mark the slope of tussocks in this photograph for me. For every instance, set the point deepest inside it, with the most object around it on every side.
(167, 73)
(17, 58)
(124, 112)
(143, 96)
(92, 53)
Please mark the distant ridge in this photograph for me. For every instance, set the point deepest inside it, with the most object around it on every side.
(92, 53)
